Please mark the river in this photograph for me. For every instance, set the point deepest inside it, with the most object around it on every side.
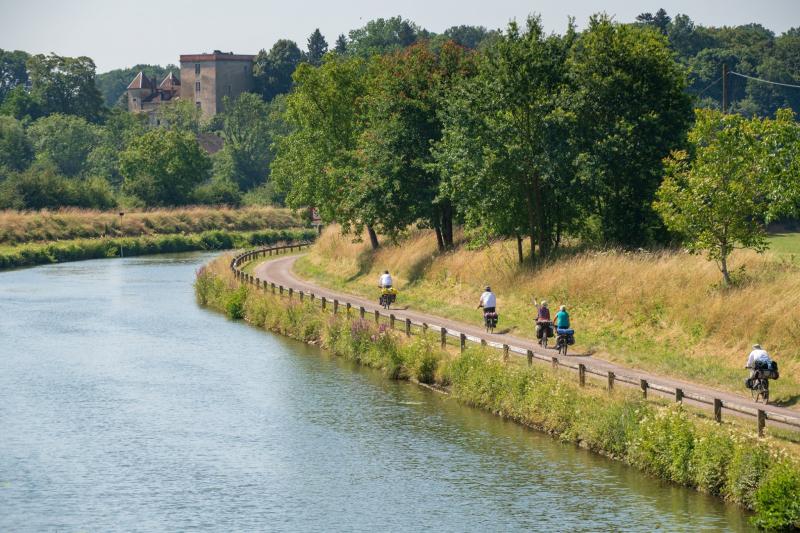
(126, 407)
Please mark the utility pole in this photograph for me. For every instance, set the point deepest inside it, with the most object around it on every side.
(724, 88)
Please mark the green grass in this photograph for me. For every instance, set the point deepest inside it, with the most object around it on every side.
(785, 245)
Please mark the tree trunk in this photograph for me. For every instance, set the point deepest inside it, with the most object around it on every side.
(544, 240)
(531, 222)
(447, 225)
(439, 240)
(519, 248)
(723, 265)
(373, 237)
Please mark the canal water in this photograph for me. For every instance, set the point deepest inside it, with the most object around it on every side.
(126, 407)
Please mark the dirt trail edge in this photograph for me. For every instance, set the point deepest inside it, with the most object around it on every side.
(280, 271)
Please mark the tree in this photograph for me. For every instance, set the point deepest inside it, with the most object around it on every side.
(250, 126)
(42, 187)
(317, 47)
(381, 36)
(119, 129)
(65, 85)
(505, 149)
(65, 141)
(316, 164)
(740, 175)
(633, 110)
(21, 105)
(341, 45)
(16, 151)
(469, 36)
(181, 115)
(273, 70)
(660, 20)
(162, 167)
(13, 72)
(400, 183)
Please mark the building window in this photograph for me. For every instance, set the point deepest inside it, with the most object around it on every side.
(197, 69)
(197, 86)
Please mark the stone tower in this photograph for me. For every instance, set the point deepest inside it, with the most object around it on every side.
(207, 78)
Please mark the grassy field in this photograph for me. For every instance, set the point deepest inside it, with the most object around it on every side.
(17, 227)
(664, 312)
(786, 245)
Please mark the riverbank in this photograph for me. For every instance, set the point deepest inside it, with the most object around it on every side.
(81, 249)
(21, 227)
(666, 442)
(662, 312)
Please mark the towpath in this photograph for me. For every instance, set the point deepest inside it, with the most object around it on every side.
(280, 271)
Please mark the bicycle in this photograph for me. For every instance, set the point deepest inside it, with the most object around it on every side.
(760, 388)
(545, 331)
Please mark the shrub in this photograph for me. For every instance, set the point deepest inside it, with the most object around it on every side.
(777, 500)
(234, 305)
(664, 444)
(748, 466)
(713, 449)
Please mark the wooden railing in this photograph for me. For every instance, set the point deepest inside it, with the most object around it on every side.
(410, 327)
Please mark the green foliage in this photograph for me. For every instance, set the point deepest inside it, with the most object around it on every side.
(234, 304)
(19, 104)
(664, 445)
(162, 167)
(13, 72)
(65, 85)
(181, 115)
(42, 187)
(16, 151)
(712, 455)
(217, 191)
(777, 500)
(381, 36)
(740, 175)
(273, 70)
(317, 48)
(65, 141)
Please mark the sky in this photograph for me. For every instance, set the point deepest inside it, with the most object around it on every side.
(121, 34)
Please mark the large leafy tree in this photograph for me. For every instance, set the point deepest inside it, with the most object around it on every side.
(633, 111)
(316, 164)
(505, 149)
(16, 151)
(739, 175)
(381, 36)
(250, 126)
(181, 115)
(13, 72)
(65, 141)
(162, 167)
(317, 47)
(65, 85)
(273, 70)
(400, 184)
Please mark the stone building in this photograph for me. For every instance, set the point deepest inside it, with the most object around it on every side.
(205, 80)
(208, 78)
(144, 96)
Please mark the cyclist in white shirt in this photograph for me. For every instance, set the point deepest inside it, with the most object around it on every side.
(488, 300)
(759, 355)
(385, 281)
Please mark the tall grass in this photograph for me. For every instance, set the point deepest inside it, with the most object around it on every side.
(666, 442)
(32, 226)
(662, 311)
(81, 249)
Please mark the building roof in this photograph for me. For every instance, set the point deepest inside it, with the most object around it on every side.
(216, 56)
(141, 82)
(169, 82)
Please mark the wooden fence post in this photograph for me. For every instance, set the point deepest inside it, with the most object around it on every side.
(273, 288)
(505, 352)
(377, 317)
(291, 290)
(643, 386)
(301, 296)
(280, 287)
(391, 321)
(678, 395)
(530, 357)
(444, 337)
(611, 377)
(408, 327)
(325, 303)
(555, 362)
(762, 422)
(582, 374)
(717, 409)
(361, 311)
(483, 342)
(348, 306)
(463, 339)
(335, 306)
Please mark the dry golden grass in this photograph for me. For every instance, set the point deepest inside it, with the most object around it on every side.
(662, 311)
(30, 226)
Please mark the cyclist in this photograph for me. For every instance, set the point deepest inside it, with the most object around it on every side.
(385, 281)
(757, 360)
(488, 300)
(562, 318)
(542, 319)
